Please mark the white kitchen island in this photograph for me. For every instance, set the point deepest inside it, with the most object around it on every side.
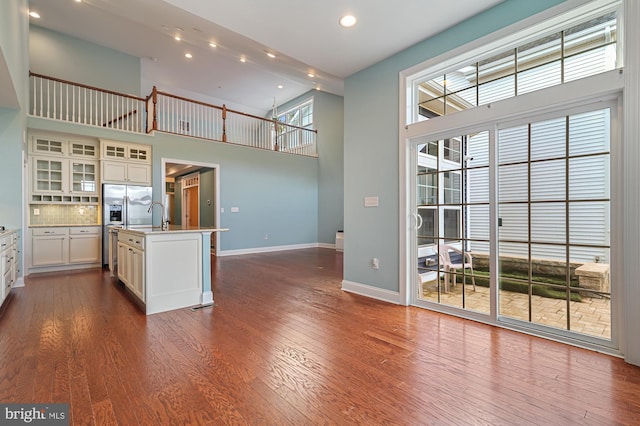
(168, 269)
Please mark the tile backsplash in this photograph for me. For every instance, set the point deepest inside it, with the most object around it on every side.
(67, 214)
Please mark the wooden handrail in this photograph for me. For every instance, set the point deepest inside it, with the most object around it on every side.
(123, 116)
(225, 109)
(86, 86)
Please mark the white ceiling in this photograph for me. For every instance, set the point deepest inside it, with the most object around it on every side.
(304, 36)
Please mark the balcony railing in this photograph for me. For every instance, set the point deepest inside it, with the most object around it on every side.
(174, 114)
(163, 112)
(78, 103)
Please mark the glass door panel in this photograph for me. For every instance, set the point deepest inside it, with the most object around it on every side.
(554, 223)
(452, 211)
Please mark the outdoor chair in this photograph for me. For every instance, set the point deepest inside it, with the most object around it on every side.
(451, 261)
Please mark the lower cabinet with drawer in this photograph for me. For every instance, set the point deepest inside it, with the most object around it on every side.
(8, 263)
(131, 263)
(59, 248)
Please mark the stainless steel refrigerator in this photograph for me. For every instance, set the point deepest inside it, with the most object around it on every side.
(125, 205)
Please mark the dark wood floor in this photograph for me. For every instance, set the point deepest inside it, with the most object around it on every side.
(285, 346)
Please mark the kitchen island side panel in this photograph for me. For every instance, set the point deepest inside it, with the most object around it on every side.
(174, 271)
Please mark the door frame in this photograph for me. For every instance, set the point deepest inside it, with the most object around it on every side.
(185, 200)
(216, 171)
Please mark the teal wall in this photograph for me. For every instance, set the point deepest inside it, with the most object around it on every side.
(207, 194)
(13, 45)
(277, 194)
(61, 56)
(371, 152)
(328, 120)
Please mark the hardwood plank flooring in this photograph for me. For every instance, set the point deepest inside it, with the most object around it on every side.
(284, 345)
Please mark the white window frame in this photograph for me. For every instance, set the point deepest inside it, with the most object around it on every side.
(571, 13)
(293, 132)
(617, 83)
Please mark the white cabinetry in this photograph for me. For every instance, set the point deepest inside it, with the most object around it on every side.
(131, 268)
(85, 244)
(63, 171)
(121, 172)
(125, 163)
(49, 246)
(48, 145)
(8, 263)
(59, 248)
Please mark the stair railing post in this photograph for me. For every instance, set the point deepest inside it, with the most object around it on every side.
(224, 122)
(154, 96)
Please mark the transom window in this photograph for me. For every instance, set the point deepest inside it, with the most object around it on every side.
(582, 50)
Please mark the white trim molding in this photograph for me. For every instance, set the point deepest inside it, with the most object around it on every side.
(630, 318)
(256, 250)
(372, 292)
(605, 87)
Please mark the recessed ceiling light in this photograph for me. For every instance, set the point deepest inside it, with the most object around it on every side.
(188, 55)
(348, 21)
(271, 55)
(34, 14)
(280, 86)
(243, 59)
(177, 38)
(78, 1)
(212, 44)
(311, 75)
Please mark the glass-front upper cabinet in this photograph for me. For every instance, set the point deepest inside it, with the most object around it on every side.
(84, 177)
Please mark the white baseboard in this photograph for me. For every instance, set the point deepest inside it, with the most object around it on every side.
(256, 250)
(206, 298)
(373, 292)
(19, 282)
(327, 246)
(60, 268)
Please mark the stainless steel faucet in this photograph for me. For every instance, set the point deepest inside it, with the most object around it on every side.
(165, 224)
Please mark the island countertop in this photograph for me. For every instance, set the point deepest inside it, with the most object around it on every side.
(144, 230)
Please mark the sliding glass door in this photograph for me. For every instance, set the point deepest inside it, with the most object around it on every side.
(513, 222)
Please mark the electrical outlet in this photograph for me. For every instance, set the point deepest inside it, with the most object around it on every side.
(36, 212)
(266, 236)
(375, 263)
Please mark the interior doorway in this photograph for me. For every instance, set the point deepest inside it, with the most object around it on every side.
(199, 198)
(190, 185)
